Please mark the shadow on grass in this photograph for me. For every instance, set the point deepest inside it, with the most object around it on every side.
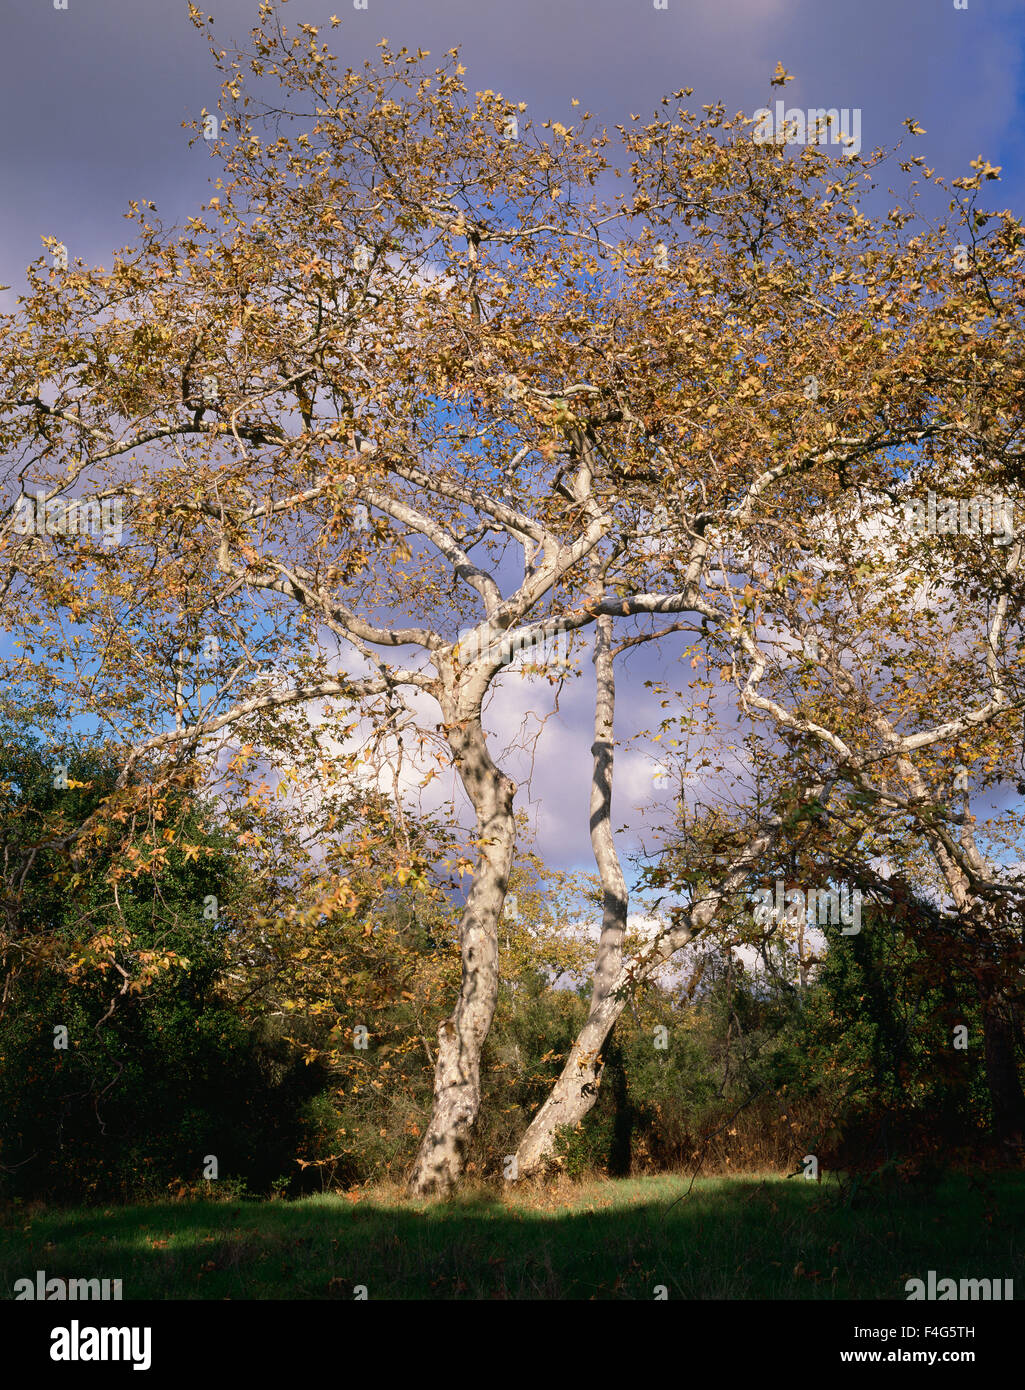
(732, 1238)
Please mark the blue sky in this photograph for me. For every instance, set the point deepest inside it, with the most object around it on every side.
(93, 96)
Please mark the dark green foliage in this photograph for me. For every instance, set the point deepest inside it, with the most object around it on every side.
(151, 1082)
(858, 1068)
(879, 1031)
(532, 1033)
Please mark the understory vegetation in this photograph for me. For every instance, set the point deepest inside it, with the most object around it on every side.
(731, 1064)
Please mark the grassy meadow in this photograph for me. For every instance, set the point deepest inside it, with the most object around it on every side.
(750, 1237)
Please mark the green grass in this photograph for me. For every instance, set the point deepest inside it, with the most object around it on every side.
(736, 1238)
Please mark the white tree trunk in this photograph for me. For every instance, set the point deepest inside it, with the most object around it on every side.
(576, 1089)
(442, 1153)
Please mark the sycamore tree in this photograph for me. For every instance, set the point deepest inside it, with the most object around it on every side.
(817, 592)
(911, 690)
(411, 393)
(880, 636)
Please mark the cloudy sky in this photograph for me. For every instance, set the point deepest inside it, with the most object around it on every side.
(94, 96)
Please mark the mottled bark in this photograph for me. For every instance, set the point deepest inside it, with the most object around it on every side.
(442, 1153)
(577, 1087)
